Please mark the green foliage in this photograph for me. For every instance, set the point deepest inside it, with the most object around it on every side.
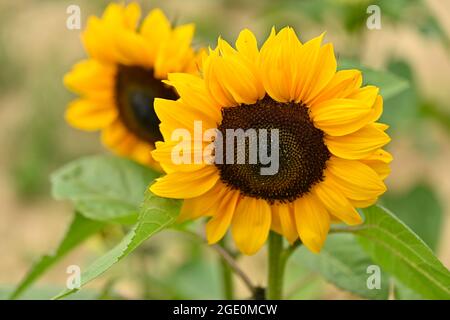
(80, 229)
(385, 241)
(155, 215)
(37, 146)
(400, 252)
(103, 187)
(344, 263)
(420, 209)
(401, 112)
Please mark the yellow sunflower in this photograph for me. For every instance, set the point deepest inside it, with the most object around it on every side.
(123, 74)
(331, 159)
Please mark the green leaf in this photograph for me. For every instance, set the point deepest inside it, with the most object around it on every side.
(155, 215)
(420, 209)
(390, 85)
(400, 252)
(103, 187)
(80, 229)
(344, 263)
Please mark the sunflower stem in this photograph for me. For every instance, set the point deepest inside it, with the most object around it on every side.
(227, 276)
(276, 267)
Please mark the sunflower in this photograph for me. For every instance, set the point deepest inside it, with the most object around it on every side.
(331, 159)
(123, 74)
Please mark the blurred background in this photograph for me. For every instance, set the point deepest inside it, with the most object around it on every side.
(36, 49)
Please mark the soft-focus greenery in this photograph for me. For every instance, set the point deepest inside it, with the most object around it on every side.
(41, 142)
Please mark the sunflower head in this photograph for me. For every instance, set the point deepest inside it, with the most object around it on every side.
(330, 159)
(123, 74)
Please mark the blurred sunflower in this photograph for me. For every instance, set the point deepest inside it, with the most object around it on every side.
(122, 76)
(330, 160)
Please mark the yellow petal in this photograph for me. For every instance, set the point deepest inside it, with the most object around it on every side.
(276, 223)
(343, 83)
(131, 15)
(317, 68)
(89, 115)
(380, 155)
(284, 214)
(218, 225)
(238, 79)
(142, 153)
(280, 65)
(338, 117)
(247, 45)
(99, 41)
(134, 48)
(193, 92)
(212, 66)
(336, 203)
(164, 155)
(251, 224)
(312, 221)
(172, 54)
(204, 205)
(355, 180)
(156, 30)
(117, 15)
(359, 144)
(377, 109)
(118, 138)
(367, 95)
(225, 48)
(178, 115)
(185, 185)
(380, 167)
(363, 203)
(87, 77)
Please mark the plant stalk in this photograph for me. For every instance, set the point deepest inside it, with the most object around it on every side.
(227, 277)
(276, 267)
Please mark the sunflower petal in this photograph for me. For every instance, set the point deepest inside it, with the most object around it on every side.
(192, 91)
(279, 65)
(164, 155)
(89, 115)
(285, 216)
(172, 54)
(134, 48)
(312, 222)
(338, 117)
(359, 144)
(212, 68)
(218, 225)
(336, 203)
(88, 77)
(251, 224)
(318, 66)
(175, 115)
(356, 180)
(247, 45)
(156, 30)
(185, 185)
(204, 205)
(343, 83)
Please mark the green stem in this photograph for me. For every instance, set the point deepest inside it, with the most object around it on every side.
(227, 277)
(227, 280)
(276, 267)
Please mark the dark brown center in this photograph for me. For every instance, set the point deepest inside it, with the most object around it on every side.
(135, 90)
(302, 151)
